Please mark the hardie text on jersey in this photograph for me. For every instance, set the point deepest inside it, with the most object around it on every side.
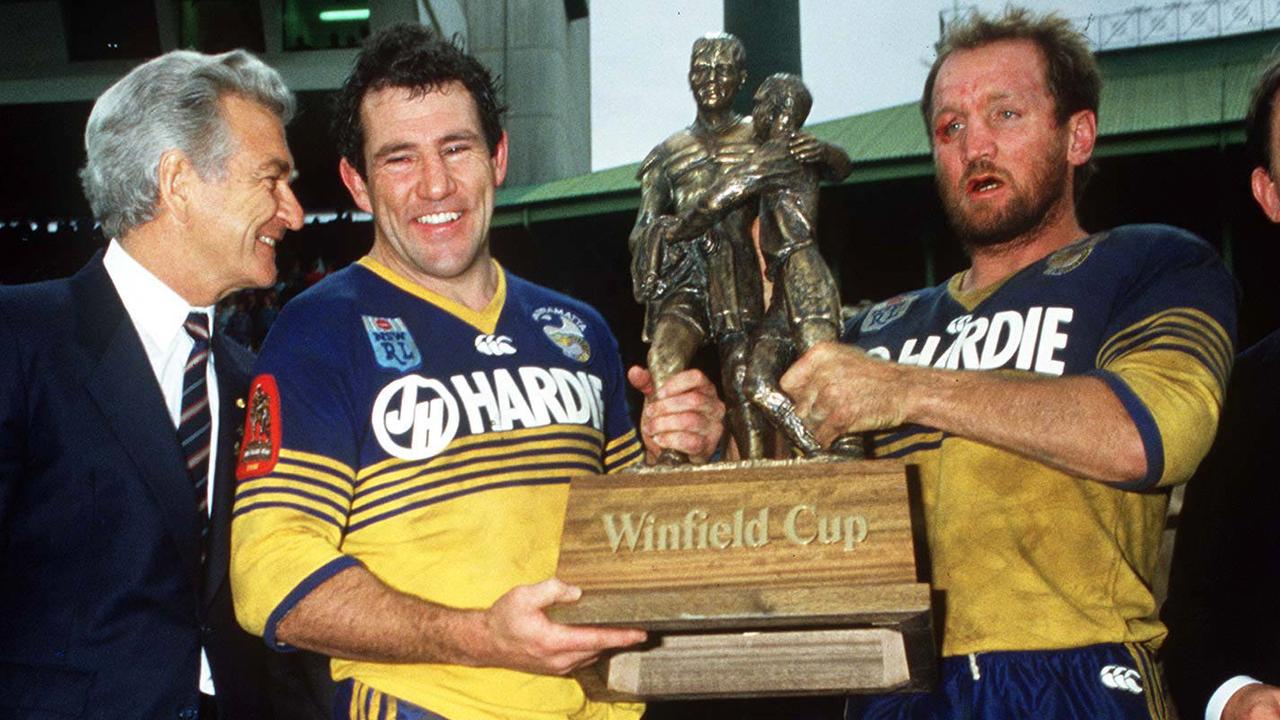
(1008, 339)
(416, 417)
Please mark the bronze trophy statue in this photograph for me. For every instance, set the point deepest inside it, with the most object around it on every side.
(763, 577)
(708, 288)
(694, 259)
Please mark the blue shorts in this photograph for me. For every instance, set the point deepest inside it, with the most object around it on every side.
(1099, 682)
(357, 701)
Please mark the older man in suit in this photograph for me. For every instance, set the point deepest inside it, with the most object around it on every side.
(118, 407)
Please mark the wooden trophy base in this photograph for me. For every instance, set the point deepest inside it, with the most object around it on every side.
(775, 578)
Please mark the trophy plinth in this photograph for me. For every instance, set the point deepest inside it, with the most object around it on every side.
(753, 579)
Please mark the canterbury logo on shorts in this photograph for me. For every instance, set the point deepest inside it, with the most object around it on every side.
(1119, 677)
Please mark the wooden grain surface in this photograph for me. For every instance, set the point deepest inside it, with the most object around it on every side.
(754, 664)
(693, 514)
(740, 608)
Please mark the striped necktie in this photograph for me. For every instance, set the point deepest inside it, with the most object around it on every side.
(195, 422)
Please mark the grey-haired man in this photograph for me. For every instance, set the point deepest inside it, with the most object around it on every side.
(118, 406)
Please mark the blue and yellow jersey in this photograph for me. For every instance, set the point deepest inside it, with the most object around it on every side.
(393, 428)
(1031, 558)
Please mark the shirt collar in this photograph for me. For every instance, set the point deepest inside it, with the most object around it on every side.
(156, 310)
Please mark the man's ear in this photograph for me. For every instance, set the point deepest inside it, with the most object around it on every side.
(1083, 128)
(355, 185)
(499, 160)
(1265, 192)
(175, 180)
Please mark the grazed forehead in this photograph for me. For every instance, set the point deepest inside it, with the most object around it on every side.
(1006, 70)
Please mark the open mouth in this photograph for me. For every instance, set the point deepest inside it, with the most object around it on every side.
(439, 218)
(983, 184)
(267, 240)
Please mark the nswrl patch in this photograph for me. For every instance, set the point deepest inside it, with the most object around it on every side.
(882, 314)
(260, 442)
(393, 346)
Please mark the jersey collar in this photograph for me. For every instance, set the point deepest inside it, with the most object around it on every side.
(485, 320)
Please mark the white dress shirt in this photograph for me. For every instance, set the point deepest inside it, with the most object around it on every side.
(1218, 701)
(158, 314)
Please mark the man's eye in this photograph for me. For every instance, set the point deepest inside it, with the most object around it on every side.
(1007, 114)
(949, 130)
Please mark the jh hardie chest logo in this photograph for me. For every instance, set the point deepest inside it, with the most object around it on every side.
(416, 417)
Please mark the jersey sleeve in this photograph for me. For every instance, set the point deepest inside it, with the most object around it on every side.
(13, 411)
(1168, 350)
(622, 447)
(295, 477)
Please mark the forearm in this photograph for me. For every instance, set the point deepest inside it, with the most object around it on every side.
(356, 616)
(1075, 424)
(653, 202)
(836, 163)
(730, 192)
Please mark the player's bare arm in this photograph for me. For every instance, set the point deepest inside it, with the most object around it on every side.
(355, 615)
(1075, 424)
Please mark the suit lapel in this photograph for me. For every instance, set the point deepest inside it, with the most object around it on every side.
(232, 385)
(124, 388)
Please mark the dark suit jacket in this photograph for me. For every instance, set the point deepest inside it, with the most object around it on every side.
(103, 601)
(1225, 581)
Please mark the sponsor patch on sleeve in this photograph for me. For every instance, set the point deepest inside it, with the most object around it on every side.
(260, 445)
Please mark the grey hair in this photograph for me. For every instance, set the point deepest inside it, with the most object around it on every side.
(171, 102)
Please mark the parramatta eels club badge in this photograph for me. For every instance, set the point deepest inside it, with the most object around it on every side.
(566, 330)
(1072, 256)
(393, 346)
(881, 314)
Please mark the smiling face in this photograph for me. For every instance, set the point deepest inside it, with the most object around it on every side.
(1002, 160)
(430, 185)
(715, 75)
(240, 214)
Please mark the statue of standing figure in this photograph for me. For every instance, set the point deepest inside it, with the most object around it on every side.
(694, 260)
(706, 288)
(804, 307)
